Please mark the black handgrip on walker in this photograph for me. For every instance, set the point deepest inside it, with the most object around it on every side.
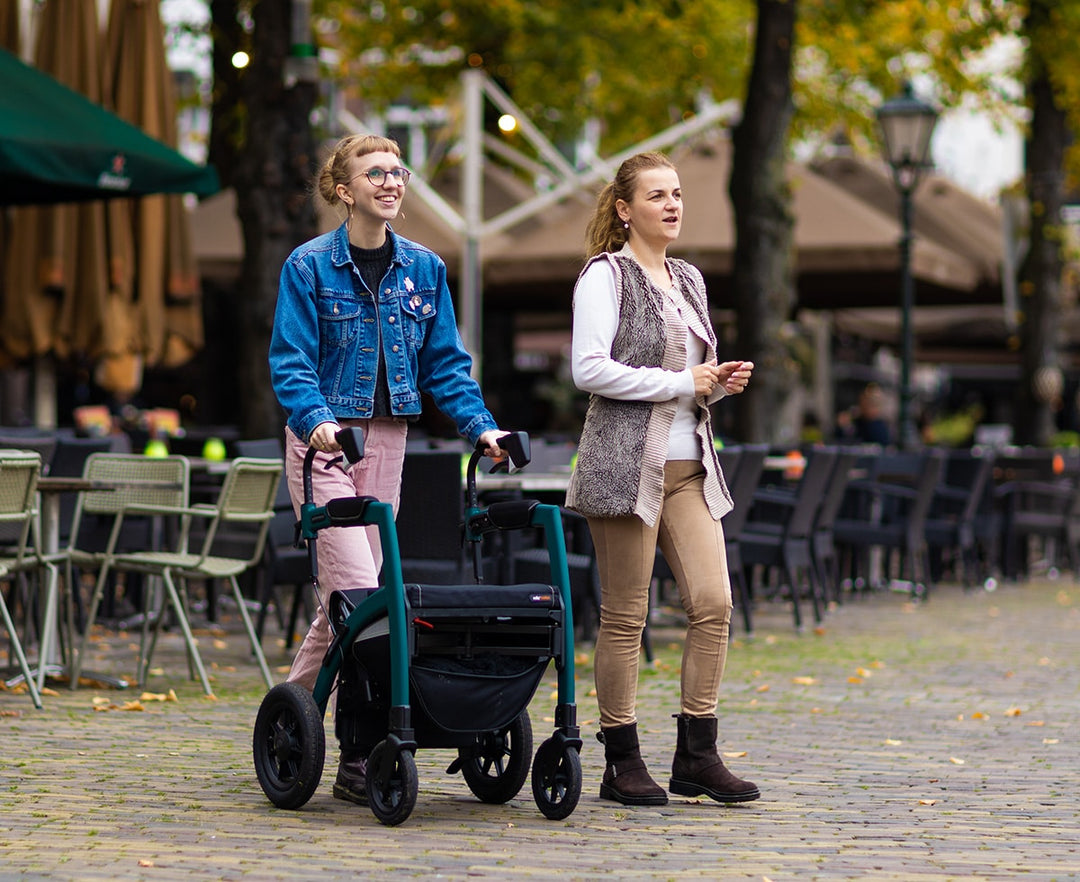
(518, 448)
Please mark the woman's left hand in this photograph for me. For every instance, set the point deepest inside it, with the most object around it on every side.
(735, 375)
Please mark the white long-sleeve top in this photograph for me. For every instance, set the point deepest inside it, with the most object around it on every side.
(596, 319)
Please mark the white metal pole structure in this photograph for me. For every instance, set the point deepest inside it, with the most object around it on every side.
(470, 298)
(550, 164)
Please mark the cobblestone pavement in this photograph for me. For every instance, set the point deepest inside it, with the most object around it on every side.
(897, 741)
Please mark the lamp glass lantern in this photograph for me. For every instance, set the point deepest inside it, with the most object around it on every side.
(906, 124)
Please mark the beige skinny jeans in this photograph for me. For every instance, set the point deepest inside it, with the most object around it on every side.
(693, 544)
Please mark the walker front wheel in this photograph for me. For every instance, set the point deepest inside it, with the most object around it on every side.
(391, 790)
(556, 780)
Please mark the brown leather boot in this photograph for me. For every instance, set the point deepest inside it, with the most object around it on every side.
(626, 779)
(697, 768)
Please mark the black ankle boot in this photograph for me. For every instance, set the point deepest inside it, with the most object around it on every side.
(626, 779)
(697, 768)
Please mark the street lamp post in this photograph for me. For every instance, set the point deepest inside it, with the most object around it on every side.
(906, 125)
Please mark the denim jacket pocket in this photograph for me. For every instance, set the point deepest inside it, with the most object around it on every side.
(339, 322)
(417, 312)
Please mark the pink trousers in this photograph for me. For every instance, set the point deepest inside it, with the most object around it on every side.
(348, 557)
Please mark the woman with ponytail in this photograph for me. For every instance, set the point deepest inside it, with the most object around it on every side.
(647, 474)
(364, 324)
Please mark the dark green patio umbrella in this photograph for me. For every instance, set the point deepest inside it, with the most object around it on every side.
(58, 146)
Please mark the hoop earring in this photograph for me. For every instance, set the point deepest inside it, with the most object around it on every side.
(348, 220)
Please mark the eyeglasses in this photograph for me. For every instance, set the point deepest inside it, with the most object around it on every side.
(378, 176)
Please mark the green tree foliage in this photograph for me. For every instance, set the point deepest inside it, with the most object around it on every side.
(636, 65)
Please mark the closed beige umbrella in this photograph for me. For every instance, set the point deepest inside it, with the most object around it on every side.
(65, 281)
(9, 27)
(10, 40)
(141, 90)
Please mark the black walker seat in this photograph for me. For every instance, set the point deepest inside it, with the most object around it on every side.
(477, 655)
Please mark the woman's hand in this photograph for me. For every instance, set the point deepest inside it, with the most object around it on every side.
(490, 440)
(734, 375)
(706, 376)
(322, 437)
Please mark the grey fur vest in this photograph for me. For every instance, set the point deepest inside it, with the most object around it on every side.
(623, 447)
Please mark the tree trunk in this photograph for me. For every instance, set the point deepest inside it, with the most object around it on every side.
(762, 275)
(265, 142)
(1039, 393)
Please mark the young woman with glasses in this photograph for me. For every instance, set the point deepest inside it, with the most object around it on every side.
(364, 325)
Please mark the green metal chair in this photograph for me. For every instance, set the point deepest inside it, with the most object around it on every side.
(246, 498)
(19, 472)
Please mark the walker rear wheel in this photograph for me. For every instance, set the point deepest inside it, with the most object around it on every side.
(497, 767)
(289, 745)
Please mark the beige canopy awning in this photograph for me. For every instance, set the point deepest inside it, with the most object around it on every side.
(841, 242)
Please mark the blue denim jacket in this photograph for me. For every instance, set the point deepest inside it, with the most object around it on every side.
(323, 359)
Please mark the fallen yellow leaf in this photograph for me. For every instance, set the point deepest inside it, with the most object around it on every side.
(101, 700)
(979, 715)
(1013, 712)
(764, 687)
(1037, 723)
(735, 754)
(877, 664)
(892, 742)
(803, 681)
(1050, 741)
(854, 679)
(143, 862)
(863, 672)
(956, 761)
(927, 802)
(133, 706)
(154, 696)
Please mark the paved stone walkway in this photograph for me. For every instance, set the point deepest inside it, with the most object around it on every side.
(928, 742)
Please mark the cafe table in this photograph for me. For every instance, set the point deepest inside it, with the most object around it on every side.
(50, 490)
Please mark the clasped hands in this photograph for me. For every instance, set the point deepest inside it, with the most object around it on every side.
(733, 376)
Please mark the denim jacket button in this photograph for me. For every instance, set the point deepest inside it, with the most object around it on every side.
(391, 319)
(395, 348)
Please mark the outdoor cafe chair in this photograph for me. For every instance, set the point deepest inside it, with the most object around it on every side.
(952, 537)
(823, 544)
(897, 499)
(284, 563)
(1040, 507)
(119, 508)
(779, 532)
(246, 498)
(19, 472)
